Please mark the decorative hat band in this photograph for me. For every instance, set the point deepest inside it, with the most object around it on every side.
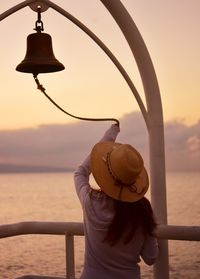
(131, 186)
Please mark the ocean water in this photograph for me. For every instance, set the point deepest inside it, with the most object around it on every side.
(51, 197)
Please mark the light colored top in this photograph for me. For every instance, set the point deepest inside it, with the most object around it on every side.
(103, 261)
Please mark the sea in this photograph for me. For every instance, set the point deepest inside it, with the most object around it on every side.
(51, 197)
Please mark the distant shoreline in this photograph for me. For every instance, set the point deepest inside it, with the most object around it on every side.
(11, 168)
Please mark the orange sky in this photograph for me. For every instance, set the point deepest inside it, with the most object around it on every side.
(91, 86)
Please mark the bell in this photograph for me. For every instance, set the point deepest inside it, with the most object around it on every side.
(39, 56)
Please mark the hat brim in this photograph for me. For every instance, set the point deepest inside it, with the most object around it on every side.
(107, 183)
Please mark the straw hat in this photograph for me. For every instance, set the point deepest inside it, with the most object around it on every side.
(119, 171)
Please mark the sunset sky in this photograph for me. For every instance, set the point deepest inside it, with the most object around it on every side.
(91, 86)
(34, 132)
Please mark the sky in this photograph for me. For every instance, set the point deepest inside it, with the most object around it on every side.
(90, 85)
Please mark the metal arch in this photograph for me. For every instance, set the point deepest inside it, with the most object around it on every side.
(94, 38)
(15, 9)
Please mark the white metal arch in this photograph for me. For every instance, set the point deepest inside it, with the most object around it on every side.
(153, 116)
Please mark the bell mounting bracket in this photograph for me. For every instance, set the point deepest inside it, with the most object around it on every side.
(43, 6)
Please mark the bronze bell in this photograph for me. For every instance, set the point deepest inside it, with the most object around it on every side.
(39, 56)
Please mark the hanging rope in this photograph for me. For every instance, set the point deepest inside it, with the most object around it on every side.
(42, 89)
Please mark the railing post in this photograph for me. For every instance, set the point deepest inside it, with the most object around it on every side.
(69, 246)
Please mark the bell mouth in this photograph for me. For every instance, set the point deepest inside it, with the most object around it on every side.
(39, 67)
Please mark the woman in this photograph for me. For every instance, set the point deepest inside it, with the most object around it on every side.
(118, 219)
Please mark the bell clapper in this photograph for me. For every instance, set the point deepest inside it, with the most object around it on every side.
(39, 85)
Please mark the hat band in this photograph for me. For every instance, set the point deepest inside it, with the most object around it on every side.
(131, 186)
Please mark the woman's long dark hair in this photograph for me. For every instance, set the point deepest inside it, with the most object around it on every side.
(129, 216)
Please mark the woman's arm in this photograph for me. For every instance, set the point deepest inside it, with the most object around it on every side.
(81, 175)
(150, 250)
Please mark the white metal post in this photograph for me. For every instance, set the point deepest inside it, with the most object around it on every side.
(156, 130)
(69, 244)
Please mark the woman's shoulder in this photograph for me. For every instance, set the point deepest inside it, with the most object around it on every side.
(96, 194)
(99, 206)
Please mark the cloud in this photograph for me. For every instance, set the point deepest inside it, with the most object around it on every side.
(67, 145)
(193, 144)
(182, 146)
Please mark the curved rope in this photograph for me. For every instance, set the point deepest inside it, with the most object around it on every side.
(42, 89)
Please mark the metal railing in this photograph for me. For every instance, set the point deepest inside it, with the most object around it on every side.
(71, 229)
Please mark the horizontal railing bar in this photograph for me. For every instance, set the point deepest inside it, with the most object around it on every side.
(174, 232)
(38, 227)
(170, 232)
